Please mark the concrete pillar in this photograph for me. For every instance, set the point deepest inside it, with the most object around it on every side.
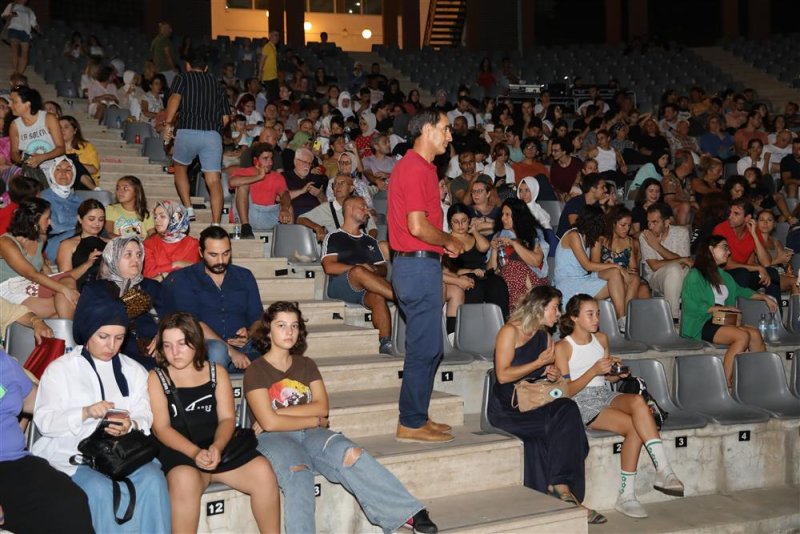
(391, 12)
(295, 16)
(275, 21)
(613, 21)
(759, 22)
(411, 33)
(729, 11)
(638, 24)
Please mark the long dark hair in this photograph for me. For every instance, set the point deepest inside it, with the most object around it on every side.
(25, 221)
(591, 224)
(614, 216)
(641, 193)
(260, 334)
(140, 200)
(566, 325)
(704, 261)
(86, 206)
(524, 223)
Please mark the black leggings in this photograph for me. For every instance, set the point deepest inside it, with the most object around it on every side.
(491, 289)
(38, 498)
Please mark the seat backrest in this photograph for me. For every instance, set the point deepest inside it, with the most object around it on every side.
(700, 383)
(654, 375)
(795, 376)
(101, 195)
(553, 208)
(381, 205)
(477, 326)
(113, 113)
(142, 129)
(399, 332)
(794, 313)
(752, 310)
(608, 319)
(781, 231)
(760, 378)
(295, 242)
(488, 381)
(154, 150)
(20, 341)
(650, 320)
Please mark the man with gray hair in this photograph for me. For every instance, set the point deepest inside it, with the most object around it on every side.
(306, 183)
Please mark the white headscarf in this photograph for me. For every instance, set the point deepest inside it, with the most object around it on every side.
(49, 168)
(372, 122)
(346, 111)
(541, 215)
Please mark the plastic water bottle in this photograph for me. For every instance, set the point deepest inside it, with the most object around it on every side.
(762, 326)
(772, 328)
(237, 228)
(137, 139)
(119, 123)
(501, 257)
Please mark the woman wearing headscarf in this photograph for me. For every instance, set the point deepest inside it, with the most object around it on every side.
(343, 105)
(75, 395)
(367, 124)
(121, 280)
(64, 203)
(528, 192)
(171, 247)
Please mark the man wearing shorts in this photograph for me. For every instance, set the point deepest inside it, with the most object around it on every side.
(204, 112)
(356, 269)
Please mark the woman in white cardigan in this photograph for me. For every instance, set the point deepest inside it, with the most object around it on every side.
(76, 393)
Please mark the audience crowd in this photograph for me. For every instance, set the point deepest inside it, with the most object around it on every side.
(548, 206)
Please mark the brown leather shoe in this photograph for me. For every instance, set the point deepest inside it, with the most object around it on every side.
(439, 427)
(423, 434)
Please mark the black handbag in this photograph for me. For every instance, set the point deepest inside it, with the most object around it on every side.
(243, 441)
(637, 386)
(117, 457)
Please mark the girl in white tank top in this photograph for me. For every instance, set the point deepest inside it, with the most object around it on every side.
(582, 356)
(36, 138)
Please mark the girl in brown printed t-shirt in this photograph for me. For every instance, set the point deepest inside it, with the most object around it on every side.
(287, 398)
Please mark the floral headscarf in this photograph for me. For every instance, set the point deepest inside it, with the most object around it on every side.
(112, 255)
(178, 225)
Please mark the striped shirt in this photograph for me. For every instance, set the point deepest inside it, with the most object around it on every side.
(203, 101)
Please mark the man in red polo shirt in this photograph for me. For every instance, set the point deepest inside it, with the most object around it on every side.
(415, 234)
(748, 255)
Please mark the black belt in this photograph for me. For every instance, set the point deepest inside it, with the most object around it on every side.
(419, 254)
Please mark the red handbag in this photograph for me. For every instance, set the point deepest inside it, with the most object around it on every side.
(45, 352)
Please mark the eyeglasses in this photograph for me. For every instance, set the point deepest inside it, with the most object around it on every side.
(298, 160)
(479, 190)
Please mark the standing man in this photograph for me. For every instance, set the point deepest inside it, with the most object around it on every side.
(162, 51)
(415, 219)
(268, 68)
(205, 113)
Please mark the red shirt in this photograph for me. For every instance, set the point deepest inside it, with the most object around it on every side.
(5, 216)
(159, 255)
(265, 191)
(413, 186)
(741, 249)
(562, 178)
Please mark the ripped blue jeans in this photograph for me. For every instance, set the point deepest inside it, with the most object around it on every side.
(384, 499)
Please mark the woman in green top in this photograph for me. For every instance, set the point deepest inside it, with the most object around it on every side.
(708, 288)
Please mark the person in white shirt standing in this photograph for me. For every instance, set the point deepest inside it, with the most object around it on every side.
(21, 21)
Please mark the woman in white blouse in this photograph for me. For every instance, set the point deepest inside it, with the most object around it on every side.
(75, 395)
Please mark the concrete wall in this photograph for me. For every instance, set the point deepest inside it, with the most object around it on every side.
(344, 30)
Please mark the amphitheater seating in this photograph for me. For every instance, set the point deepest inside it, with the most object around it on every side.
(650, 322)
(477, 326)
(617, 342)
(760, 381)
(700, 386)
(19, 340)
(776, 55)
(296, 242)
(752, 310)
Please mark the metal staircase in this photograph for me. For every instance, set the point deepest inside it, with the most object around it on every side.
(445, 25)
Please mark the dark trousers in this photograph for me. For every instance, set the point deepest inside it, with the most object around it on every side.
(746, 278)
(491, 288)
(417, 284)
(271, 87)
(38, 498)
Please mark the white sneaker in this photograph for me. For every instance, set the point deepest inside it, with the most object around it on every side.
(668, 482)
(630, 507)
(190, 213)
(622, 324)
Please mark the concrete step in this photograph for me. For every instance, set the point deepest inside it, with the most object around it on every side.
(742, 512)
(321, 312)
(108, 158)
(285, 288)
(262, 267)
(374, 412)
(144, 168)
(327, 341)
(247, 248)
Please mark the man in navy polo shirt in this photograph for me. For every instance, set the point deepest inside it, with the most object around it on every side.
(416, 236)
(223, 297)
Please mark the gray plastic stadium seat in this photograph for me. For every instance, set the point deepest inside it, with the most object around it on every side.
(154, 150)
(486, 426)
(20, 341)
(106, 197)
(700, 386)
(751, 315)
(477, 326)
(650, 322)
(653, 373)
(795, 261)
(451, 354)
(617, 343)
(760, 380)
(380, 203)
(143, 129)
(399, 333)
(794, 313)
(554, 209)
(781, 231)
(794, 381)
(295, 242)
(112, 114)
